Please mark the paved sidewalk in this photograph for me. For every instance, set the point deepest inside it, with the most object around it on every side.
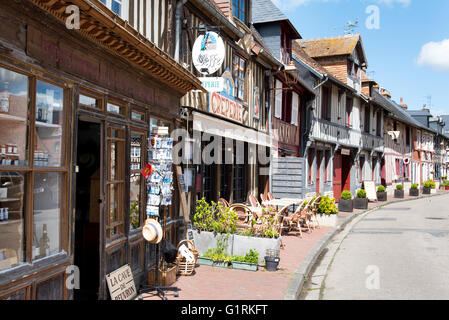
(209, 283)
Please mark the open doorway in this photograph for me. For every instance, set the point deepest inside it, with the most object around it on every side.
(87, 222)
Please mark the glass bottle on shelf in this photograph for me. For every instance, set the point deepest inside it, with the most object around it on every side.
(43, 242)
(4, 99)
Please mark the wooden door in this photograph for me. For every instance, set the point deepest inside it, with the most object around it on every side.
(346, 173)
(337, 176)
(318, 171)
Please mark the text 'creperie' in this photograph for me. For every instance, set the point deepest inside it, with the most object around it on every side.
(225, 107)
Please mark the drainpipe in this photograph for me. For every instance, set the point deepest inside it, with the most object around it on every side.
(179, 5)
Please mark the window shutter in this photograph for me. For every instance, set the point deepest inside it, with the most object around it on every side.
(278, 100)
(295, 105)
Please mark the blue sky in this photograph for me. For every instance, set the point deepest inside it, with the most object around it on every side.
(409, 53)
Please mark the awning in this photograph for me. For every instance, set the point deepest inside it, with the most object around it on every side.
(218, 127)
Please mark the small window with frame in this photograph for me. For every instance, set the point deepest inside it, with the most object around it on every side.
(138, 115)
(238, 73)
(116, 108)
(89, 101)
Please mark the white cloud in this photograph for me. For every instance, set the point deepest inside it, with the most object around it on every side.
(405, 3)
(291, 4)
(435, 55)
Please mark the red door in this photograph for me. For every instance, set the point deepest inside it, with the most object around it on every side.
(346, 173)
(337, 176)
(318, 171)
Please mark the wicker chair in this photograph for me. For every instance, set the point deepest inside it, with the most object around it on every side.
(313, 211)
(225, 203)
(245, 215)
(254, 202)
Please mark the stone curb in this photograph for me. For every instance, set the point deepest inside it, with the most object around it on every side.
(297, 283)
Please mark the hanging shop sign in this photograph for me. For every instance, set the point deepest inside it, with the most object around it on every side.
(213, 84)
(346, 152)
(121, 284)
(208, 53)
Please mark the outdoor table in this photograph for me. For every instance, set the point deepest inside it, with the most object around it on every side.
(282, 202)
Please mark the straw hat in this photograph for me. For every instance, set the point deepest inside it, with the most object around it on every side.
(152, 231)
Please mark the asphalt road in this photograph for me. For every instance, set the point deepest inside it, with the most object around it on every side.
(400, 252)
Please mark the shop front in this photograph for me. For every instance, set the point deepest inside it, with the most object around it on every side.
(75, 121)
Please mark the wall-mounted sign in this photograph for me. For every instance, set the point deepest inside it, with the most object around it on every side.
(208, 53)
(256, 103)
(121, 284)
(346, 152)
(225, 107)
(213, 84)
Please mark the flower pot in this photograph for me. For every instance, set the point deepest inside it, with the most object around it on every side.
(271, 263)
(360, 203)
(346, 205)
(446, 187)
(399, 194)
(414, 192)
(327, 220)
(426, 190)
(382, 196)
(205, 261)
(244, 266)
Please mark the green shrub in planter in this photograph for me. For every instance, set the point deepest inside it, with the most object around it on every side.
(346, 203)
(361, 202)
(248, 262)
(428, 186)
(414, 190)
(381, 193)
(399, 192)
(327, 206)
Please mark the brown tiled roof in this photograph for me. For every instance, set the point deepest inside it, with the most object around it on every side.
(301, 54)
(343, 45)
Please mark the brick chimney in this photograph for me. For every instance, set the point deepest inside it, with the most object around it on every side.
(403, 106)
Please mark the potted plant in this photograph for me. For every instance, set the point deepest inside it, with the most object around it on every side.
(446, 185)
(327, 213)
(399, 192)
(414, 190)
(382, 193)
(217, 255)
(248, 262)
(361, 202)
(346, 203)
(429, 186)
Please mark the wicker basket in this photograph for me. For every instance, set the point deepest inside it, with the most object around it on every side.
(165, 278)
(186, 268)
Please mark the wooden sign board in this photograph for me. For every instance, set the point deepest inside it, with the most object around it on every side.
(370, 188)
(121, 284)
(182, 195)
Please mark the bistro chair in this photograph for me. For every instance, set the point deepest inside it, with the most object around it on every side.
(313, 211)
(270, 196)
(254, 202)
(296, 218)
(224, 202)
(244, 214)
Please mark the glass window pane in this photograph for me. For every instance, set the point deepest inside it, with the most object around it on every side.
(135, 182)
(116, 7)
(11, 219)
(49, 121)
(86, 101)
(115, 108)
(159, 127)
(137, 116)
(13, 118)
(47, 214)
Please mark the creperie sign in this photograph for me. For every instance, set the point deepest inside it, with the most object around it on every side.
(225, 107)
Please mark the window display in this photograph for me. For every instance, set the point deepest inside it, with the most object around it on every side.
(135, 180)
(47, 214)
(13, 118)
(49, 121)
(11, 219)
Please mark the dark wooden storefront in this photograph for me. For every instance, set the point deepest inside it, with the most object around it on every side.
(105, 114)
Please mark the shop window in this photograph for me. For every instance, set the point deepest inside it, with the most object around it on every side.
(49, 123)
(239, 69)
(115, 182)
(239, 8)
(135, 183)
(47, 214)
(12, 186)
(13, 118)
(239, 183)
(89, 102)
(116, 109)
(138, 116)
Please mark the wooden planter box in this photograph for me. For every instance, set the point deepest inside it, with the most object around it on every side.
(382, 196)
(166, 278)
(244, 266)
(361, 204)
(220, 264)
(414, 192)
(399, 194)
(242, 244)
(426, 190)
(346, 205)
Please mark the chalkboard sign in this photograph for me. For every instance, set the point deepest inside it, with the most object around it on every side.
(370, 188)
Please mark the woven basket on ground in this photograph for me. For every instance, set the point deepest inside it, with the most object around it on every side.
(186, 268)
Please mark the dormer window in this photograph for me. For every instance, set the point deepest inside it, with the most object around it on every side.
(353, 70)
(286, 46)
(119, 7)
(239, 8)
